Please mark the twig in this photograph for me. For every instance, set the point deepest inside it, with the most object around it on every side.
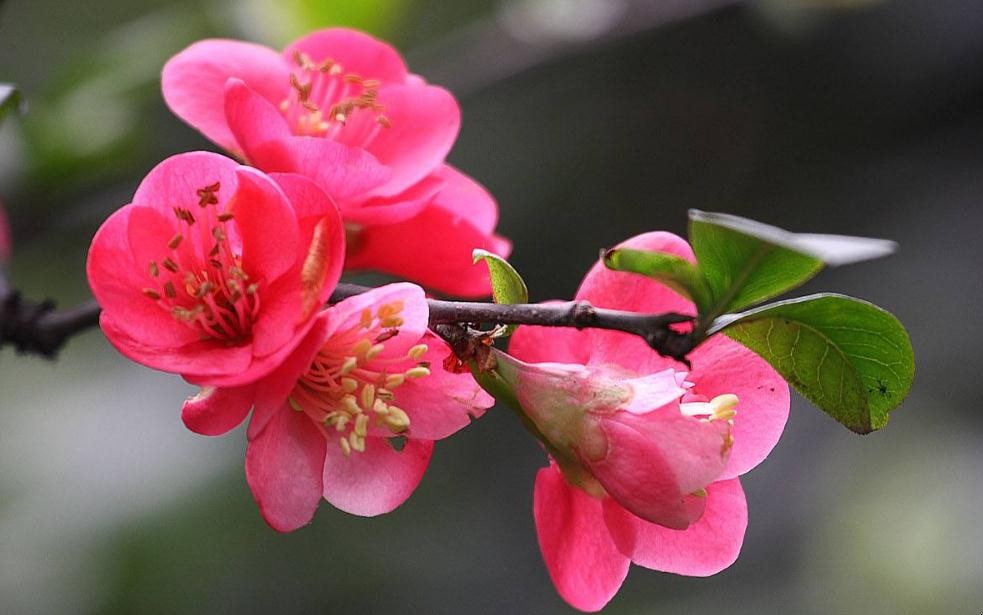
(37, 328)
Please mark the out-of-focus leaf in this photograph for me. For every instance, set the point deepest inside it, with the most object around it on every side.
(282, 21)
(747, 262)
(677, 273)
(507, 285)
(849, 357)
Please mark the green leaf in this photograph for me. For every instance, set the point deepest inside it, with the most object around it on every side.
(675, 272)
(10, 100)
(507, 284)
(849, 357)
(747, 262)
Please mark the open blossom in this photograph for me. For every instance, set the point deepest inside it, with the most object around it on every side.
(351, 415)
(645, 452)
(341, 108)
(215, 270)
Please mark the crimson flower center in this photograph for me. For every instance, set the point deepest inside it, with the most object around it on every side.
(200, 280)
(326, 101)
(351, 382)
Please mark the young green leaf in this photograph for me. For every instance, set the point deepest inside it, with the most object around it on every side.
(9, 100)
(675, 272)
(747, 262)
(849, 357)
(507, 284)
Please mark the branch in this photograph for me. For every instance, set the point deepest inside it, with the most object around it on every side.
(38, 328)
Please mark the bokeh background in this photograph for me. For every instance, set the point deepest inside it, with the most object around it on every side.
(590, 120)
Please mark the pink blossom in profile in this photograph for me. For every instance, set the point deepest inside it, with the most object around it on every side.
(645, 453)
(6, 244)
(351, 415)
(215, 270)
(340, 107)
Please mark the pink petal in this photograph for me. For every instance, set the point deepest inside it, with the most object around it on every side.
(465, 197)
(208, 361)
(175, 182)
(655, 461)
(720, 366)
(585, 564)
(357, 53)
(274, 389)
(550, 344)
(343, 172)
(433, 249)
(415, 315)
(284, 463)
(635, 293)
(267, 225)
(117, 281)
(392, 209)
(423, 123)
(377, 480)
(443, 402)
(212, 412)
(705, 548)
(193, 82)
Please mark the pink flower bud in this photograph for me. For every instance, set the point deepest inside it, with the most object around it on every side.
(626, 436)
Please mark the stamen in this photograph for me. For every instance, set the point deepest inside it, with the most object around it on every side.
(417, 351)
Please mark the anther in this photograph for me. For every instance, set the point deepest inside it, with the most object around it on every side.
(417, 372)
(350, 405)
(349, 364)
(361, 347)
(154, 270)
(368, 396)
(153, 294)
(394, 380)
(373, 352)
(349, 384)
(169, 290)
(345, 447)
(175, 241)
(170, 265)
(366, 319)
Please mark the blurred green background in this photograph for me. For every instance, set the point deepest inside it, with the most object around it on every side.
(590, 120)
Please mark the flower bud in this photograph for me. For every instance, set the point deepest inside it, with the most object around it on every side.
(617, 434)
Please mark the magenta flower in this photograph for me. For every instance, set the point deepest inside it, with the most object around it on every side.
(341, 108)
(645, 452)
(351, 415)
(215, 270)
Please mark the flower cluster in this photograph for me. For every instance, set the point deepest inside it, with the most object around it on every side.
(221, 270)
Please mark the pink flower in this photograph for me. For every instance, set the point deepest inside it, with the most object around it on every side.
(6, 245)
(341, 108)
(648, 473)
(351, 415)
(215, 270)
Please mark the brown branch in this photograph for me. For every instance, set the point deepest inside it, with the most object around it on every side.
(37, 328)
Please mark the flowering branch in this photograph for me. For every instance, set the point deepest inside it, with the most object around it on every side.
(37, 328)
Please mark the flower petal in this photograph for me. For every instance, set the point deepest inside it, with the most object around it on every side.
(342, 171)
(423, 122)
(656, 460)
(705, 548)
(267, 225)
(283, 468)
(465, 197)
(377, 480)
(443, 402)
(721, 366)
(550, 344)
(284, 463)
(415, 315)
(620, 290)
(433, 249)
(274, 389)
(214, 411)
(583, 561)
(392, 209)
(356, 51)
(193, 82)
(175, 182)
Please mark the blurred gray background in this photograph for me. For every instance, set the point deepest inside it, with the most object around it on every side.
(590, 120)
